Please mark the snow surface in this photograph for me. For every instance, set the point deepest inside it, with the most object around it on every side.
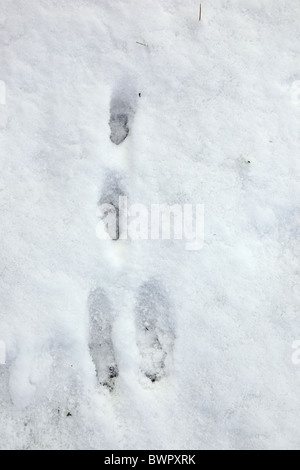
(215, 95)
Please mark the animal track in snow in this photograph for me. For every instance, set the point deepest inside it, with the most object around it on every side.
(122, 110)
(100, 339)
(155, 329)
(108, 206)
(295, 92)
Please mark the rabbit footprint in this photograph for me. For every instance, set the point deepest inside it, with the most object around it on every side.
(100, 339)
(108, 207)
(155, 330)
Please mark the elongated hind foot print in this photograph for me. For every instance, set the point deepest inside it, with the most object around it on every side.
(108, 208)
(122, 110)
(100, 339)
(155, 330)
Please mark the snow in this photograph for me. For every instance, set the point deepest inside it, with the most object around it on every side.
(215, 95)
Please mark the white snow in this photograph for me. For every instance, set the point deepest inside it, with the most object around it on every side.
(215, 95)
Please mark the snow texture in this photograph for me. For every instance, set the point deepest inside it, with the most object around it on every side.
(112, 344)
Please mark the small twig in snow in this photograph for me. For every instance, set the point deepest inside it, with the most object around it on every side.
(200, 12)
(142, 44)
